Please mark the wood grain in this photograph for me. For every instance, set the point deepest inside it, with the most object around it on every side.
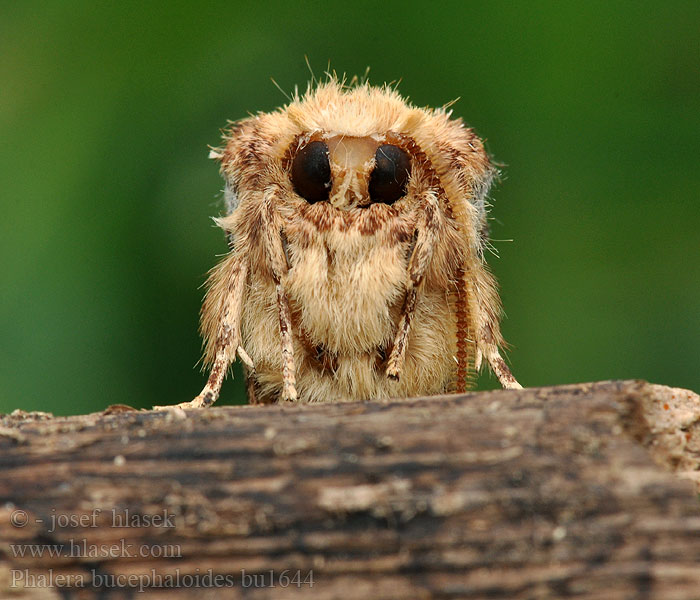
(555, 492)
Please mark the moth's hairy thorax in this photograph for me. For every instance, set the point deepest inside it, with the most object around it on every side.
(346, 284)
(343, 285)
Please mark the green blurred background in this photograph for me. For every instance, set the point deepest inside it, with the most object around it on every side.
(106, 111)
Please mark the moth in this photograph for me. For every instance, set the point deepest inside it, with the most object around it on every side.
(357, 225)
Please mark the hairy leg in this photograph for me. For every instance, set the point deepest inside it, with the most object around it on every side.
(277, 260)
(500, 368)
(227, 342)
(426, 234)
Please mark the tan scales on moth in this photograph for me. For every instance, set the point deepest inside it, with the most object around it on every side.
(357, 225)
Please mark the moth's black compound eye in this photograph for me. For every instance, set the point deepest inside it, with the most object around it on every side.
(388, 180)
(311, 172)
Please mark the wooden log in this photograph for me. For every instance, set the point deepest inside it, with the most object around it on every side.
(555, 492)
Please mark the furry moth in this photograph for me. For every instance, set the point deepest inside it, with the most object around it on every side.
(357, 227)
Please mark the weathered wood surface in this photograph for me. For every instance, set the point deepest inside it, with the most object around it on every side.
(542, 493)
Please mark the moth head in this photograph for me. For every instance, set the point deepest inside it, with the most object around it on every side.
(349, 171)
(357, 147)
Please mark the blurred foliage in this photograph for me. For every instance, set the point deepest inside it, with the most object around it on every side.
(106, 111)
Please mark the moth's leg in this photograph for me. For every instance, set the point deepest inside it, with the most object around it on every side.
(250, 387)
(210, 392)
(289, 391)
(486, 308)
(500, 368)
(224, 358)
(426, 235)
(228, 314)
(249, 372)
(228, 337)
(477, 359)
(245, 359)
(277, 260)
